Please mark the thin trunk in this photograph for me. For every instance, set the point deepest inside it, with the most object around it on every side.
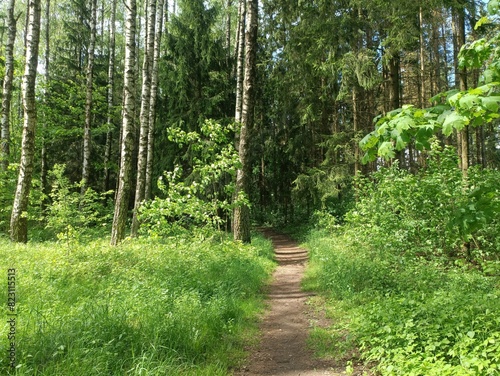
(19, 221)
(240, 66)
(422, 59)
(88, 99)
(436, 60)
(242, 212)
(228, 27)
(127, 143)
(144, 115)
(7, 87)
(111, 88)
(43, 156)
(154, 95)
(355, 122)
(461, 82)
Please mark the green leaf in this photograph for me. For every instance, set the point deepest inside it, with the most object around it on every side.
(386, 150)
(454, 121)
(482, 21)
(369, 141)
(491, 103)
(493, 6)
(468, 101)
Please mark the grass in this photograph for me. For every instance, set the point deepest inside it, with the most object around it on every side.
(146, 307)
(403, 315)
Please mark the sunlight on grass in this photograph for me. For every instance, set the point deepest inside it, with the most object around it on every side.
(143, 308)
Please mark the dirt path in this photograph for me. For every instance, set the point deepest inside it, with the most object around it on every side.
(282, 350)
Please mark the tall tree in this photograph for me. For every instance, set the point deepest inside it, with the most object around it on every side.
(7, 87)
(240, 58)
(19, 220)
(154, 95)
(144, 114)
(127, 139)
(458, 14)
(110, 95)
(43, 154)
(88, 100)
(243, 178)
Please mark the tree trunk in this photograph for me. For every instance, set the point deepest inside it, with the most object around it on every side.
(127, 142)
(355, 125)
(242, 212)
(461, 82)
(111, 88)
(144, 115)
(240, 62)
(43, 155)
(88, 99)
(421, 99)
(7, 87)
(19, 220)
(154, 95)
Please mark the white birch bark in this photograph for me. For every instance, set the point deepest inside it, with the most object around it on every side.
(127, 139)
(19, 220)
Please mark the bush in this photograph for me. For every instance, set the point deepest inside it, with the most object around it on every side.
(434, 213)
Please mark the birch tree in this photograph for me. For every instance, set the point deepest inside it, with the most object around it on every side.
(110, 96)
(19, 220)
(88, 100)
(242, 212)
(144, 114)
(127, 139)
(7, 86)
(154, 94)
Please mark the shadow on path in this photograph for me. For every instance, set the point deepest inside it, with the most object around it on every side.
(282, 350)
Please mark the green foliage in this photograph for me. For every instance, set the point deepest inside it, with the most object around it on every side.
(71, 214)
(471, 108)
(403, 316)
(145, 307)
(432, 213)
(8, 181)
(204, 198)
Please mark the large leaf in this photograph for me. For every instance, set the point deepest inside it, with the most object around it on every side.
(491, 103)
(386, 150)
(454, 121)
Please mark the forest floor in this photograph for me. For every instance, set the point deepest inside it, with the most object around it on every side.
(282, 349)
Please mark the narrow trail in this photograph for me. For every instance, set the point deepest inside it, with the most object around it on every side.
(282, 350)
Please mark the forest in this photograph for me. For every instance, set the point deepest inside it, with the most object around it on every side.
(144, 142)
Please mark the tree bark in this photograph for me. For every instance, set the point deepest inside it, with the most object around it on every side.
(19, 220)
(461, 82)
(43, 154)
(127, 140)
(242, 212)
(111, 88)
(144, 115)
(355, 124)
(88, 99)
(422, 59)
(154, 95)
(240, 59)
(7, 87)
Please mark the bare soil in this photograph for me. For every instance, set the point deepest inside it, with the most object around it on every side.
(282, 349)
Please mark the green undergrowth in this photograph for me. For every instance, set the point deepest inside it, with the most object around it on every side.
(147, 307)
(403, 315)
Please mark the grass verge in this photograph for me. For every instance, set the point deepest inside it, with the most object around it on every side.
(146, 307)
(405, 316)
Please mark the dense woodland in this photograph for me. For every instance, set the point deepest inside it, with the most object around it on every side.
(164, 127)
(123, 94)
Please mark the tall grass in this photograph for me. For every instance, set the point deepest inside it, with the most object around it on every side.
(146, 307)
